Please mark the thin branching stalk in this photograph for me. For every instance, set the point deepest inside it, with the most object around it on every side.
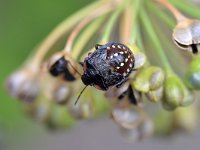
(177, 14)
(136, 7)
(86, 35)
(126, 24)
(98, 12)
(61, 30)
(163, 16)
(152, 35)
(110, 24)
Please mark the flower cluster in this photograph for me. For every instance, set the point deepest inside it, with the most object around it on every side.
(49, 87)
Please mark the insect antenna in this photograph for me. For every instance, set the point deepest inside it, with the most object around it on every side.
(80, 94)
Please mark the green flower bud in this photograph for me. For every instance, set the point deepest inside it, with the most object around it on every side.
(150, 78)
(186, 118)
(156, 95)
(175, 93)
(193, 75)
(59, 117)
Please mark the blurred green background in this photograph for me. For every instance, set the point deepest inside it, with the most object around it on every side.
(24, 24)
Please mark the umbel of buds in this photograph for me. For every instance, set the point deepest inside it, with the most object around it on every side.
(23, 84)
(186, 35)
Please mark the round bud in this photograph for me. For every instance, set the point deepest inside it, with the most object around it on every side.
(192, 76)
(186, 35)
(23, 84)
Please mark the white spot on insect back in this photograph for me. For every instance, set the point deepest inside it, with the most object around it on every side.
(124, 74)
(122, 64)
(113, 46)
(129, 56)
(119, 46)
(111, 56)
(108, 47)
(128, 70)
(126, 59)
(116, 54)
(126, 52)
(118, 67)
(124, 47)
(121, 52)
(130, 65)
(131, 59)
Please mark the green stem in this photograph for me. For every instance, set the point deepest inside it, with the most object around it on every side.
(125, 24)
(110, 24)
(163, 16)
(187, 7)
(150, 30)
(85, 36)
(172, 51)
(95, 14)
(61, 30)
(136, 7)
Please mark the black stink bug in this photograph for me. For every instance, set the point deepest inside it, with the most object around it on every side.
(109, 65)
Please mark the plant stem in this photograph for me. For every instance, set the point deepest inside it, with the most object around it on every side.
(110, 24)
(60, 30)
(163, 16)
(150, 30)
(177, 14)
(126, 24)
(134, 33)
(85, 36)
(171, 51)
(187, 7)
(96, 13)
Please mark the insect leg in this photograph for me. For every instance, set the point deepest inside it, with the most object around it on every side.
(97, 46)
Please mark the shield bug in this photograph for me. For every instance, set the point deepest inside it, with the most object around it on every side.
(109, 65)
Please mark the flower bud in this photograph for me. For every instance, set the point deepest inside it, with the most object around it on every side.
(23, 84)
(186, 35)
(140, 58)
(40, 109)
(156, 95)
(193, 74)
(61, 93)
(146, 128)
(150, 78)
(59, 117)
(131, 135)
(125, 95)
(62, 64)
(175, 93)
(186, 118)
(141, 132)
(83, 109)
(128, 118)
